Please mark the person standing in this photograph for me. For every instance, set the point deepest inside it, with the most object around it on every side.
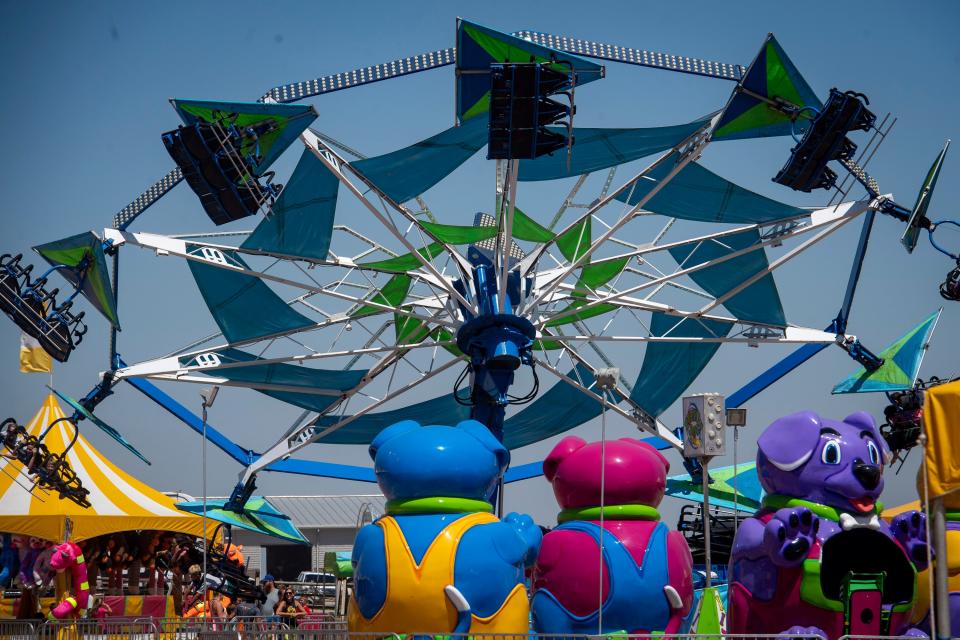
(272, 597)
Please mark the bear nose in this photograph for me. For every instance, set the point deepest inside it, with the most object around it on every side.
(867, 474)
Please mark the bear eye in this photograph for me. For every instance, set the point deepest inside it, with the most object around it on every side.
(874, 452)
(831, 452)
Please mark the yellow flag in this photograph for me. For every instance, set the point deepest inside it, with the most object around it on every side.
(941, 417)
(33, 359)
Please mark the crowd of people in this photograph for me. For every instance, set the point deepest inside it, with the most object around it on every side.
(160, 563)
(272, 604)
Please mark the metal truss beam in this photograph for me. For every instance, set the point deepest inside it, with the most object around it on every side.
(687, 151)
(639, 57)
(818, 220)
(310, 432)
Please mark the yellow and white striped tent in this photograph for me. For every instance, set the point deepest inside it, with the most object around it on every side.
(119, 502)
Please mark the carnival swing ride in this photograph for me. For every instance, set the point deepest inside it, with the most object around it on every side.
(435, 295)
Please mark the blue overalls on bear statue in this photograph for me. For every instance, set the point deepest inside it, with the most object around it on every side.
(439, 561)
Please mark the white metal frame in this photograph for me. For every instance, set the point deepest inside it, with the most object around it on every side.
(441, 308)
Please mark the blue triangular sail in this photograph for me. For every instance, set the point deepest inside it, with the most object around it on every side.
(742, 482)
(555, 411)
(242, 305)
(258, 515)
(901, 363)
(760, 302)
(669, 368)
(442, 410)
(559, 409)
(911, 235)
(332, 382)
(406, 173)
(103, 426)
(597, 149)
(696, 193)
(300, 222)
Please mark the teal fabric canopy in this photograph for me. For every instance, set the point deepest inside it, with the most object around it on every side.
(300, 222)
(333, 381)
(557, 410)
(744, 484)
(441, 410)
(243, 306)
(596, 149)
(103, 426)
(258, 515)
(289, 122)
(901, 363)
(696, 193)
(670, 367)
(406, 173)
(760, 302)
(83, 253)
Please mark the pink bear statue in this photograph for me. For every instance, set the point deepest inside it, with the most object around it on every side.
(647, 583)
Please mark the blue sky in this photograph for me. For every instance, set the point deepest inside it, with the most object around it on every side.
(88, 84)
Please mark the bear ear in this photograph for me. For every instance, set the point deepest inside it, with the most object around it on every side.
(865, 422)
(564, 448)
(789, 442)
(481, 433)
(651, 448)
(391, 432)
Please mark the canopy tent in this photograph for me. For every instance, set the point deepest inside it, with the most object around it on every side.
(119, 501)
(257, 515)
(740, 490)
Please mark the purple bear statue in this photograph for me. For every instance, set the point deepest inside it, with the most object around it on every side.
(817, 558)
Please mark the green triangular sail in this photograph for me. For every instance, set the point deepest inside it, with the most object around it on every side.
(901, 363)
(771, 79)
(289, 119)
(744, 484)
(110, 431)
(911, 234)
(478, 47)
(258, 515)
(83, 253)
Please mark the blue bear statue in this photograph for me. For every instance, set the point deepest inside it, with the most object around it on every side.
(439, 561)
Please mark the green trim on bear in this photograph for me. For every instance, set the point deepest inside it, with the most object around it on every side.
(610, 512)
(415, 506)
(775, 501)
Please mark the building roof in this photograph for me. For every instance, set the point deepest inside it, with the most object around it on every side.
(316, 512)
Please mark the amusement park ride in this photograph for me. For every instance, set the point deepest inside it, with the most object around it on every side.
(507, 293)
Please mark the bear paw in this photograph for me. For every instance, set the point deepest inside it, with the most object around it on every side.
(529, 532)
(910, 530)
(789, 535)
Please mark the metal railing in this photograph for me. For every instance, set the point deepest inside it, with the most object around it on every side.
(260, 628)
